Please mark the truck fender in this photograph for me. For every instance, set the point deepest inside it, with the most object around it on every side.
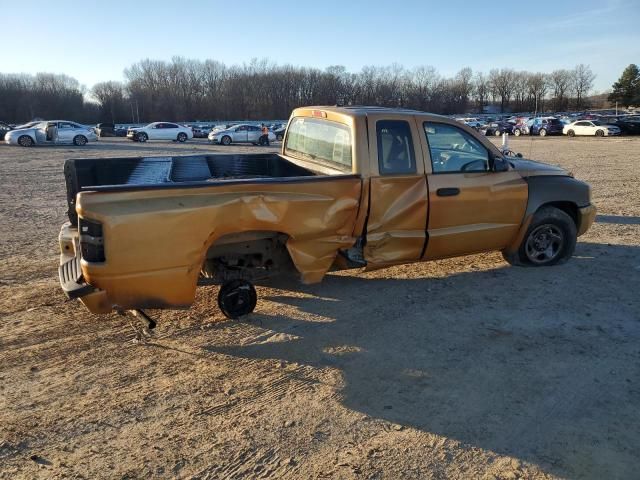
(561, 191)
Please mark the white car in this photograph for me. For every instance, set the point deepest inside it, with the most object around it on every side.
(239, 134)
(160, 131)
(51, 132)
(590, 127)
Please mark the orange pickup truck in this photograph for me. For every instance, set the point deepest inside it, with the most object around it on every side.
(352, 187)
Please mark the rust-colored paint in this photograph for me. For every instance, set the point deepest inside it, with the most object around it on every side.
(485, 215)
(156, 241)
(397, 220)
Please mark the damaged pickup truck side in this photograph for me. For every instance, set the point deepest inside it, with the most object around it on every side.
(352, 187)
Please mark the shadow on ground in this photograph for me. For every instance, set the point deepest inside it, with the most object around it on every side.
(540, 364)
(618, 219)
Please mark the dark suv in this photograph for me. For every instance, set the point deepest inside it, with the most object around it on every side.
(545, 126)
(4, 128)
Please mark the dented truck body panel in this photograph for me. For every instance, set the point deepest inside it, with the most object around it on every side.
(156, 241)
(144, 232)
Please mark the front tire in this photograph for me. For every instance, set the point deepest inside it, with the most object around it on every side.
(226, 140)
(571, 133)
(142, 137)
(497, 133)
(517, 132)
(25, 141)
(550, 240)
(182, 137)
(237, 298)
(279, 137)
(542, 132)
(80, 140)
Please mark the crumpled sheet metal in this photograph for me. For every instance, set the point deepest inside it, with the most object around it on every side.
(156, 240)
(396, 229)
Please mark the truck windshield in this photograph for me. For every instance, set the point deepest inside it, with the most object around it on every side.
(315, 139)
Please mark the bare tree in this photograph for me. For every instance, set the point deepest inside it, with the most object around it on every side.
(560, 81)
(502, 83)
(520, 90)
(538, 88)
(184, 89)
(481, 89)
(111, 98)
(581, 82)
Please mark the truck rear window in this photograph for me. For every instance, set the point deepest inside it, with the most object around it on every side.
(315, 139)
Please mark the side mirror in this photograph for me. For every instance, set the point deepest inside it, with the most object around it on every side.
(500, 164)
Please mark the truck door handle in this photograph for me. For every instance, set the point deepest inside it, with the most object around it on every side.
(447, 192)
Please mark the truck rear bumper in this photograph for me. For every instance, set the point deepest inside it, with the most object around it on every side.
(70, 273)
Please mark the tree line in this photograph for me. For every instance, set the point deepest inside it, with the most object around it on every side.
(185, 89)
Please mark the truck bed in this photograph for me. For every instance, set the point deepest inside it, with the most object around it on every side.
(136, 173)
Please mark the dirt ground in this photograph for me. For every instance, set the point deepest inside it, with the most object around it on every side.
(464, 368)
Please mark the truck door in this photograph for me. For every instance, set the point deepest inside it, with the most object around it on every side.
(396, 225)
(471, 208)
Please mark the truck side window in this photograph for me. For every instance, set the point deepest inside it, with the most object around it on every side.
(395, 147)
(453, 150)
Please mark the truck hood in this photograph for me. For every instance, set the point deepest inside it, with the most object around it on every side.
(528, 168)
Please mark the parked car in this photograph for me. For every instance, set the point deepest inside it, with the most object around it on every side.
(200, 131)
(4, 129)
(628, 125)
(150, 230)
(242, 133)
(590, 127)
(51, 132)
(279, 133)
(160, 131)
(544, 126)
(120, 131)
(497, 128)
(105, 129)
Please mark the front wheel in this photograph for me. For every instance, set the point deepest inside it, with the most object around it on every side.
(182, 137)
(142, 137)
(279, 137)
(542, 133)
(517, 132)
(25, 141)
(226, 140)
(80, 140)
(237, 298)
(571, 133)
(550, 240)
(497, 133)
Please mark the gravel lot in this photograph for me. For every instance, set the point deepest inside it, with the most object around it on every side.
(464, 368)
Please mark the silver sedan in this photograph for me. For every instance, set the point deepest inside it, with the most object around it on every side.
(52, 132)
(238, 134)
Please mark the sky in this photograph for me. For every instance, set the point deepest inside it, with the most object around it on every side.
(95, 41)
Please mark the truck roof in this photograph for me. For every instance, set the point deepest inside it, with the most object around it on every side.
(356, 110)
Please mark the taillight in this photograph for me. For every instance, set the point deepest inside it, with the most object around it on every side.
(91, 240)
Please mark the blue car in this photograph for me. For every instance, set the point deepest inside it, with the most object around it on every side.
(544, 126)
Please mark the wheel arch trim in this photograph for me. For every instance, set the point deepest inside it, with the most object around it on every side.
(560, 191)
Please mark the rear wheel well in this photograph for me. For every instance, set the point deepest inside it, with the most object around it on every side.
(251, 256)
(569, 208)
